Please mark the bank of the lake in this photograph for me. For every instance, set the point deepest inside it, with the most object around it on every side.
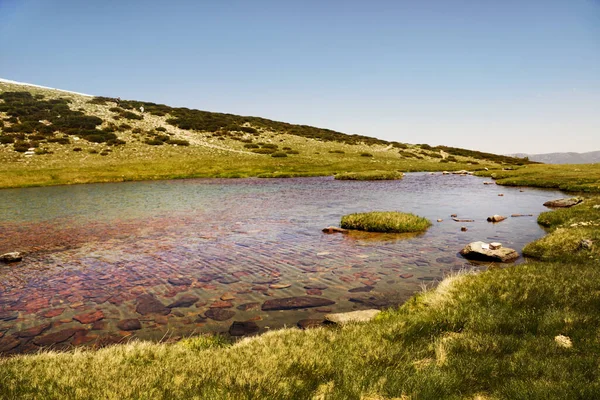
(528, 331)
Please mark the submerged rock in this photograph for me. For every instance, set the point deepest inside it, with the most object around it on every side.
(8, 343)
(353, 316)
(34, 331)
(308, 323)
(481, 251)
(248, 306)
(185, 301)
(292, 303)
(148, 304)
(56, 337)
(131, 324)
(180, 281)
(362, 289)
(563, 202)
(219, 314)
(14, 256)
(90, 317)
(241, 328)
(334, 229)
(8, 315)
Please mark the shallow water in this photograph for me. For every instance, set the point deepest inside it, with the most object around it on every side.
(95, 252)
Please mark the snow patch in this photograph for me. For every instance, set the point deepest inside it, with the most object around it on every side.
(42, 87)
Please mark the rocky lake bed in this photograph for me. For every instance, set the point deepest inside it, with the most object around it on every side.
(105, 263)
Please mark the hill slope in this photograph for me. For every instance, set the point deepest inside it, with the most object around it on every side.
(45, 132)
(591, 157)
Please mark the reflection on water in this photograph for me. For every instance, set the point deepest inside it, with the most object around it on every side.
(184, 257)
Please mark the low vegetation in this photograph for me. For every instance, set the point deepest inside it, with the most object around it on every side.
(385, 221)
(570, 178)
(41, 129)
(370, 176)
(574, 234)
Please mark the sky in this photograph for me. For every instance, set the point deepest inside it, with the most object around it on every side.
(499, 76)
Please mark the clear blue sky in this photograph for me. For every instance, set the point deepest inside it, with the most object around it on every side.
(502, 76)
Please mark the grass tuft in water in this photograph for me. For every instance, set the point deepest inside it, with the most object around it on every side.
(370, 176)
(385, 221)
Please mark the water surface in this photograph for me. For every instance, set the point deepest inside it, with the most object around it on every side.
(94, 252)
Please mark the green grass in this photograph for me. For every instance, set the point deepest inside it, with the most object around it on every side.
(385, 221)
(570, 178)
(567, 228)
(370, 176)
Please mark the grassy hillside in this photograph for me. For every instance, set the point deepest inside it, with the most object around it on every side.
(49, 137)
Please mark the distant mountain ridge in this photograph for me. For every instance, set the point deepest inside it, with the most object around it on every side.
(591, 157)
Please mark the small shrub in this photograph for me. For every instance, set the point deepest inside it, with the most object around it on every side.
(366, 155)
(154, 142)
(115, 142)
(59, 140)
(6, 139)
(41, 151)
(251, 146)
(279, 154)
(293, 152)
(337, 151)
(125, 127)
(77, 149)
(178, 142)
(161, 129)
(269, 146)
(93, 151)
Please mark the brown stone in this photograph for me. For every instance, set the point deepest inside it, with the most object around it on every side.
(482, 251)
(219, 314)
(292, 303)
(131, 324)
(34, 331)
(362, 289)
(242, 328)
(148, 304)
(496, 218)
(334, 229)
(52, 313)
(309, 323)
(90, 317)
(15, 256)
(8, 343)
(314, 292)
(98, 325)
(180, 281)
(184, 301)
(56, 337)
(221, 304)
(248, 306)
(562, 203)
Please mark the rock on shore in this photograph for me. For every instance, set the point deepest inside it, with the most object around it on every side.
(564, 202)
(481, 251)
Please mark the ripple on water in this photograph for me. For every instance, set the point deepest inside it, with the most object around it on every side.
(198, 255)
